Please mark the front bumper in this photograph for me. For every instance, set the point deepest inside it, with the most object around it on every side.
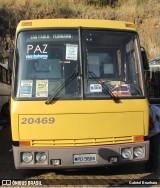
(105, 155)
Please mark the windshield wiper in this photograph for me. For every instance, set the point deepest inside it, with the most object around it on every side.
(65, 83)
(106, 89)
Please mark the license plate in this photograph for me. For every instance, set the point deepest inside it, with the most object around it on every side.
(84, 158)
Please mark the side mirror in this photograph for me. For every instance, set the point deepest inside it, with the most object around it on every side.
(10, 60)
(144, 59)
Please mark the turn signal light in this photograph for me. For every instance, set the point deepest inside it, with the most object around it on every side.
(24, 143)
(138, 138)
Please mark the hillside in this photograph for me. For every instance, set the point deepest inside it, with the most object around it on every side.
(144, 13)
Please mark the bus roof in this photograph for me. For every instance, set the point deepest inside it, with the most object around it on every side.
(75, 23)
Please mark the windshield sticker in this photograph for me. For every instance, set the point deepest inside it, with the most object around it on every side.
(39, 36)
(31, 57)
(49, 36)
(71, 51)
(41, 52)
(37, 49)
(95, 88)
(62, 36)
(26, 88)
(122, 90)
(41, 88)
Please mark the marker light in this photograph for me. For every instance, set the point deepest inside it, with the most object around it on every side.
(55, 162)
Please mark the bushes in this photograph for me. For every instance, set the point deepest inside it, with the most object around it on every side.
(102, 3)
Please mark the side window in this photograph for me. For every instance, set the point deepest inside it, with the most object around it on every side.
(130, 62)
(0, 74)
(153, 82)
(4, 75)
(8, 77)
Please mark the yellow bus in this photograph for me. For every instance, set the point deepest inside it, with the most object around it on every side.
(5, 94)
(5, 84)
(78, 94)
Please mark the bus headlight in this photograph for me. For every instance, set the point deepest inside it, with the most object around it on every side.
(41, 157)
(138, 151)
(126, 153)
(27, 157)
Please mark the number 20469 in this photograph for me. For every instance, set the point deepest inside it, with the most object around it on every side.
(38, 120)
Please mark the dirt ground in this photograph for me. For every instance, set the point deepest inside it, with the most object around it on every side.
(130, 175)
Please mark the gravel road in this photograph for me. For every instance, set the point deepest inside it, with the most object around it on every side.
(130, 175)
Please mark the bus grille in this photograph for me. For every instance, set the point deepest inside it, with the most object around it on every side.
(82, 142)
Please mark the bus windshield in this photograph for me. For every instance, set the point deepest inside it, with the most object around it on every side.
(114, 58)
(46, 59)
